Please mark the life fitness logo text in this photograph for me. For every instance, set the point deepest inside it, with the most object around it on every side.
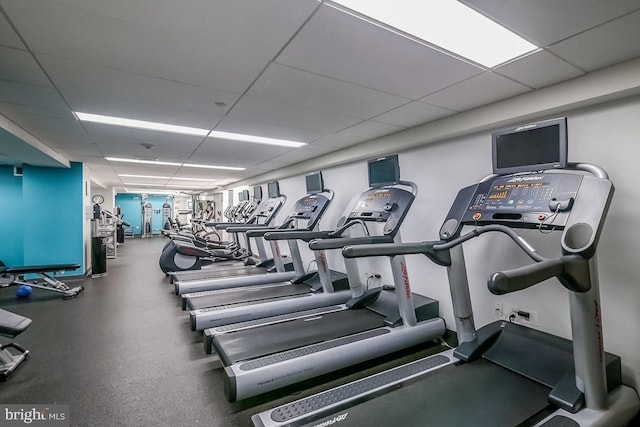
(526, 178)
(333, 420)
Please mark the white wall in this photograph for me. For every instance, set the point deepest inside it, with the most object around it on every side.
(606, 135)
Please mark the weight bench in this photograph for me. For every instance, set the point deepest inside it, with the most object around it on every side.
(12, 325)
(14, 276)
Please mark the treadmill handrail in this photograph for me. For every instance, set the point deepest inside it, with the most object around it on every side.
(424, 248)
(341, 242)
(569, 269)
(296, 234)
(440, 257)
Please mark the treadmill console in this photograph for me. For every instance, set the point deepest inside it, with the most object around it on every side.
(383, 204)
(526, 201)
(310, 208)
(576, 204)
(268, 208)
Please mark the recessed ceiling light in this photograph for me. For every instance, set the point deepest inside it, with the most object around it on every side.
(448, 24)
(255, 139)
(148, 162)
(231, 168)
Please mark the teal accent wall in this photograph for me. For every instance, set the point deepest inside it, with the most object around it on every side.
(156, 218)
(130, 207)
(52, 205)
(12, 217)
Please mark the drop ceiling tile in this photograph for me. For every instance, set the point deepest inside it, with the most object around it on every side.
(123, 142)
(234, 153)
(216, 60)
(289, 116)
(250, 27)
(142, 169)
(342, 46)
(18, 66)
(106, 105)
(539, 69)
(34, 121)
(8, 37)
(97, 81)
(295, 156)
(413, 114)
(78, 152)
(36, 96)
(62, 113)
(608, 44)
(249, 127)
(290, 86)
(358, 133)
(480, 90)
(545, 22)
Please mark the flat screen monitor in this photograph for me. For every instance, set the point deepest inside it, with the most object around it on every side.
(257, 192)
(244, 195)
(315, 184)
(532, 147)
(384, 171)
(273, 188)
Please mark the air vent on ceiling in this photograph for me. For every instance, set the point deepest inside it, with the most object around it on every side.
(17, 171)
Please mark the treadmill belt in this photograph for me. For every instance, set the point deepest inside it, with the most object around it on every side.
(476, 394)
(240, 271)
(255, 293)
(257, 342)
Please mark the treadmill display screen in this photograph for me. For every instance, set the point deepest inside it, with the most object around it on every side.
(533, 147)
(273, 189)
(257, 192)
(314, 183)
(384, 171)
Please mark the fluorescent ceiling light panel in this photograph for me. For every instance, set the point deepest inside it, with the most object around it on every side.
(186, 186)
(143, 176)
(126, 175)
(140, 124)
(147, 190)
(184, 130)
(193, 179)
(448, 24)
(231, 168)
(146, 162)
(255, 139)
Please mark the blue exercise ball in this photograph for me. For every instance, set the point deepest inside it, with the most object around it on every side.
(23, 291)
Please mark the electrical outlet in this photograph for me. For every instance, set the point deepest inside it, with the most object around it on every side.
(498, 310)
(526, 317)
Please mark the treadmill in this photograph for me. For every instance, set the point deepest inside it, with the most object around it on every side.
(502, 374)
(227, 277)
(221, 253)
(182, 262)
(267, 354)
(315, 289)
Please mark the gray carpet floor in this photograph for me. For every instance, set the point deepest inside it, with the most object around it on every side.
(122, 353)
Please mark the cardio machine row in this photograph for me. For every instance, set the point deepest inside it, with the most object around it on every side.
(482, 381)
